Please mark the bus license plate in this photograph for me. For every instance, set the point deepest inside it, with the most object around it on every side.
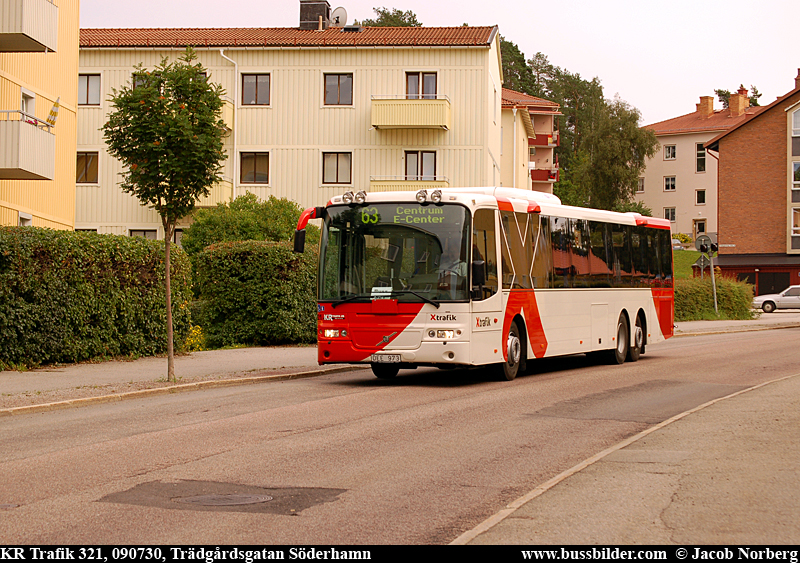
(385, 358)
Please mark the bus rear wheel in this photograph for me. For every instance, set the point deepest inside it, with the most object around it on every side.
(515, 352)
(385, 371)
(637, 345)
(618, 354)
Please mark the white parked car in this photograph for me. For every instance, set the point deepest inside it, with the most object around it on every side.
(789, 298)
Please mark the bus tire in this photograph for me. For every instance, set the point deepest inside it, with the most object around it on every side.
(385, 371)
(618, 354)
(515, 352)
(636, 348)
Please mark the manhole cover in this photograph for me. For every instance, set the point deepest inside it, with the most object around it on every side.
(224, 500)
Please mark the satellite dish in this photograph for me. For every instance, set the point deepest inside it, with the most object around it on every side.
(339, 17)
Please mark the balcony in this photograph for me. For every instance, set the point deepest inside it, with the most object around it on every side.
(544, 175)
(228, 114)
(27, 147)
(545, 140)
(400, 113)
(402, 184)
(28, 26)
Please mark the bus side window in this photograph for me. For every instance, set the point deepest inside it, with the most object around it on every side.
(484, 248)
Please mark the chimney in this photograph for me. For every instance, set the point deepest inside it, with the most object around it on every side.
(315, 14)
(706, 107)
(797, 80)
(739, 102)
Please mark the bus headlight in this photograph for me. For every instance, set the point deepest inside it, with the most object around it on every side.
(436, 196)
(422, 196)
(347, 197)
(361, 197)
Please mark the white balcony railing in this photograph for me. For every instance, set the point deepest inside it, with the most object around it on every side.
(29, 26)
(27, 147)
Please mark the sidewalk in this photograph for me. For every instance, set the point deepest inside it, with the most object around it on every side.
(89, 382)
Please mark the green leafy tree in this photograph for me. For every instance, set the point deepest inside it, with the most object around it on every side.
(245, 218)
(724, 96)
(392, 18)
(517, 75)
(166, 130)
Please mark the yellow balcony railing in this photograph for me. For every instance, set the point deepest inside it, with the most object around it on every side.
(27, 147)
(28, 26)
(401, 113)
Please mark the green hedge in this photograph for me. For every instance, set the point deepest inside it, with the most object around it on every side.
(70, 297)
(256, 293)
(694, 299)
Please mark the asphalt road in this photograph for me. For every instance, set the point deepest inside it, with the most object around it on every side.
(347, 458)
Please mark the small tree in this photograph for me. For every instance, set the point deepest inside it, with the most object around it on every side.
(166, 130)
(392, 18)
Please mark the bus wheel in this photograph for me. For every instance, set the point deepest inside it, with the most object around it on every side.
(637, 346)
(621, 351)
(516, 355)
(385, 371)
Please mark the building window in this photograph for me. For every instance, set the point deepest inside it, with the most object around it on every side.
(669, 213)
(796, 176)
(88, 89)
(421, 165)
(255, 89)
(86, 169)
(795, 228)
(699, 228)
(254, 168)
(669, 183)
(701, 158)
(177, 236)
(700, 197)
(640, 186)
(28, 103)
(421, 85)
(150, 234)
(669, 152)
(796, 133)
(338, 89)
(336, 167)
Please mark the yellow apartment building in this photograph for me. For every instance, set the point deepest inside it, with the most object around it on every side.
(38, 66)
(313, 111)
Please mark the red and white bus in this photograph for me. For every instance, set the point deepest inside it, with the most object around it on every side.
(481, 276)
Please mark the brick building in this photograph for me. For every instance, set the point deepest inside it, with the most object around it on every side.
(759, 196)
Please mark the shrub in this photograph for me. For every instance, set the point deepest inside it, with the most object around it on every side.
(245, 218)
(70, 297)
(694, 299)
(258, 293)
(683, 237)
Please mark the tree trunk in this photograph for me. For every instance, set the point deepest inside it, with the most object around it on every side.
(168, 230)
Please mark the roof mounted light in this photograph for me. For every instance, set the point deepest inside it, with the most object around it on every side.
(422, 196)
(361, 197)
(436, 196)
(347, 197)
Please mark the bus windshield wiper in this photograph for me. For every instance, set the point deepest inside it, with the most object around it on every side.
(348, 299)
(425, 299)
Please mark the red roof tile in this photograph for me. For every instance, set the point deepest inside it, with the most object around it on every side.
(514, 98)
(288, 37)
(720, 120)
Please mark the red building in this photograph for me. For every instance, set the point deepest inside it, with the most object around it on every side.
(759, 196)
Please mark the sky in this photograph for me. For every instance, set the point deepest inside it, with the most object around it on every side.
(658, 56)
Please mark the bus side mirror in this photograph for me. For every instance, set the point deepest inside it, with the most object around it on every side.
(300, 241)
(478, 273)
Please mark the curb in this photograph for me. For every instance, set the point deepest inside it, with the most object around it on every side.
(737, 329)
(196, 386)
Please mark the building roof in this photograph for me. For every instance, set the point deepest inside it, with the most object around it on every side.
(720, 120)
(512, 98)
(713, 144)
(288, 37)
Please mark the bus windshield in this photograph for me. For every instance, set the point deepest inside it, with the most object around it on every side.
(404, 251)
